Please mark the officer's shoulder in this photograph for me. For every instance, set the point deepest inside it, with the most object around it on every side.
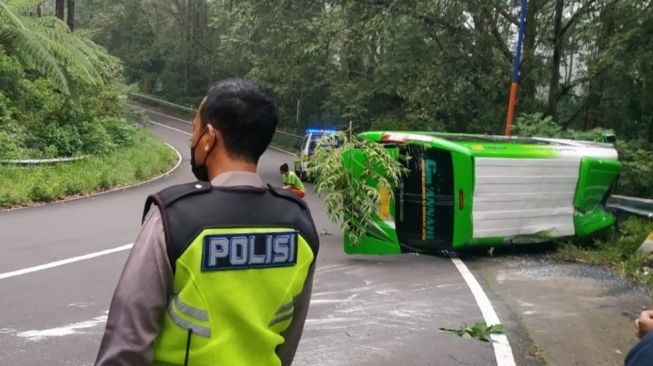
(286, 194)
(174, 193)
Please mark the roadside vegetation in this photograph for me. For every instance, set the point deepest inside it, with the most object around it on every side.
(616, 250)
(144, 158)
(401, 65)
(62, 95)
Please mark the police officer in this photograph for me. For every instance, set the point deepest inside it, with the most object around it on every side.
(221, 272)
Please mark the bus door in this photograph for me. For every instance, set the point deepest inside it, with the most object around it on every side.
(424, 201)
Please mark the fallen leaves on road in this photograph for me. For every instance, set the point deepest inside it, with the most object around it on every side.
(479, 331)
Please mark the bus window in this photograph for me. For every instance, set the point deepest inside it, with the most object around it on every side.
(424, 201)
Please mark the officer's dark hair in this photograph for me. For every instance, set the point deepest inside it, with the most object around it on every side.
(245, 114)
(283, 168)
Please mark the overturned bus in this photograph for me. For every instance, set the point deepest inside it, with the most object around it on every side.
(470, 190)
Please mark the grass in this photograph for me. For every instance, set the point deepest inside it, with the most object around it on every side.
(616, 251)
(144, 159)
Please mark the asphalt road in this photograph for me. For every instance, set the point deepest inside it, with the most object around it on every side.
(365, 310)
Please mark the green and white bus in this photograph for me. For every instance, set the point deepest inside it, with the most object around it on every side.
(471, 190)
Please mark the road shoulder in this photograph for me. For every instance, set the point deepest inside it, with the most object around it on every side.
(574, 314)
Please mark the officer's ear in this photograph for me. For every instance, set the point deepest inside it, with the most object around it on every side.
(212, 133)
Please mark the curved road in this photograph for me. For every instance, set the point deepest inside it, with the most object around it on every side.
(371, 310)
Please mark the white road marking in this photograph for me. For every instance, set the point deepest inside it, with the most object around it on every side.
(62, 262)
(170, 128)
(70, 329)
(502, 350)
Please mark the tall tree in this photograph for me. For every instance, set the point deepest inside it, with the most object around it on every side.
(529, 67)
(71, 14)
(59, 9)
(554, 83)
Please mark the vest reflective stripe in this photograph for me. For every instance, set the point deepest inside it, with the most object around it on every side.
(200, 314)
(238, 314)
(185, 324)
(281, 318)
(284, 313)
(286, 307)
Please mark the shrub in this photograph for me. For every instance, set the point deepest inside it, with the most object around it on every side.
(120, 131)
(637, 176)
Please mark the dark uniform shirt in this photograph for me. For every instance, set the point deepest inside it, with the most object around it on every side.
(642, 353)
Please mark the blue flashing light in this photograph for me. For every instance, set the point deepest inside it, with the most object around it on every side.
(319, 131)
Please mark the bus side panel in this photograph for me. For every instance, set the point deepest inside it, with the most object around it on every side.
(524, 199)
(596, 179)
(463, 172)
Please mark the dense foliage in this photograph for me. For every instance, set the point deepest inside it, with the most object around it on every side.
(409, 64)
(60, 94)
(63, 95)
(402, 64)
(145, 158)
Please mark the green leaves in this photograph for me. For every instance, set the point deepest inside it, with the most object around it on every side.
(479, 331)
(349, 172)
(45, 44)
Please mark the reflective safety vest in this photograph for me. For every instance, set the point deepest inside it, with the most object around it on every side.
(241, 258)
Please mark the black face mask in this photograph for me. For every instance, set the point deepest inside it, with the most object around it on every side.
(201, 172)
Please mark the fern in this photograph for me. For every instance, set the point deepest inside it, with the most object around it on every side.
(47, 45)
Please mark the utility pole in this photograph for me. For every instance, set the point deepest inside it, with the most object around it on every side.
(515, 69)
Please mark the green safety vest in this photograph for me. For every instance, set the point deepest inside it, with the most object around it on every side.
(241, 257)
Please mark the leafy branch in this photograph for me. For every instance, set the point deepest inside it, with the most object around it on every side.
(349, 173)
(479, 331)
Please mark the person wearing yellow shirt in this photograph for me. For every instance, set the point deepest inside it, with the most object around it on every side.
(291, 181)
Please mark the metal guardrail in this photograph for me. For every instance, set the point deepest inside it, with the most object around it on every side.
(146, 99)
(42, 161)
(283, 139)
(631, 205)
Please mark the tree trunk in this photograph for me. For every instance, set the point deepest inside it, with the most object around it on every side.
(71, 14)
(59, 9)
(39, 10)
(528, 66)
(299, 112)
(554, 84)
(188, 20)
(598, 80)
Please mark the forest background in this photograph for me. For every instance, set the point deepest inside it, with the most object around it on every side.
(440, 65)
